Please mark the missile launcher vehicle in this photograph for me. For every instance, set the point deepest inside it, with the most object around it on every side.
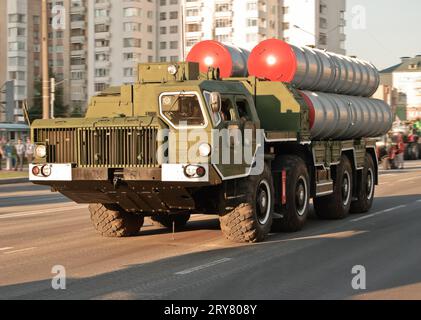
(252, 150)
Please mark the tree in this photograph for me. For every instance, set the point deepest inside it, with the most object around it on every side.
(35, 111)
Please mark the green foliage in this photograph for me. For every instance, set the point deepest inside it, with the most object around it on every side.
(35, 110)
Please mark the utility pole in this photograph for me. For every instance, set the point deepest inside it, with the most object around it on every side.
(44, 62)
(53, 97)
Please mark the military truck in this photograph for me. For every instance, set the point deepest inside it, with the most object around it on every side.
(127, 157)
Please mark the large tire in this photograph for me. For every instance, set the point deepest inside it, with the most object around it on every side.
(168, 221)
(366, 188)
(295, 213)
(337, 205)
(112, 221)
(251, 221)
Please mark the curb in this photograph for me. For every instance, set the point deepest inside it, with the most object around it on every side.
(12, 181)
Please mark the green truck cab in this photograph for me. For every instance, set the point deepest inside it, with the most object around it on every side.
(180, 142)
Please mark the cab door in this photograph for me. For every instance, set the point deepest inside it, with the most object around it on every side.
(232, 137)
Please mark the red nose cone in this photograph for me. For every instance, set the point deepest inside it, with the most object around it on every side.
(211, 53)
(274, 60)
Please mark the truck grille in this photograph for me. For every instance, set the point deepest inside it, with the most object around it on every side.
(101, 147)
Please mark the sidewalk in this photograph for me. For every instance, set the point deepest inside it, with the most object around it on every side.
(9, 177)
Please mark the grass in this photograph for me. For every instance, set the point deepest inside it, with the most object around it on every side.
(13, 174)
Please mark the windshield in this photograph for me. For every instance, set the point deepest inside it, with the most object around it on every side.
(182, 109)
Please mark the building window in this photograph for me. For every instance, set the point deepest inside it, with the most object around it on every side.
(132, 43)
(252, 22)
(323, 39)
(132, 12)
(129, 72)
(100, 87)
(132, 26)
(101, 72)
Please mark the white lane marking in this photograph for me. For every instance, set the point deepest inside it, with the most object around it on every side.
(409, 179)
(20, 250)
(6, 248)
(419, 200)
(379, 213)
(204, 266)
(44, 211)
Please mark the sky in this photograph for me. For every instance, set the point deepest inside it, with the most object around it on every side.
(382, 31)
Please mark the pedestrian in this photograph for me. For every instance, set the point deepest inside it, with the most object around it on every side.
(1, 154)
(30, 148)
(8, 149)
(400, 152)
(20, 154)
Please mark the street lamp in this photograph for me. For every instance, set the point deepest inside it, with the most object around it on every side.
(54, 84)
(44, 57)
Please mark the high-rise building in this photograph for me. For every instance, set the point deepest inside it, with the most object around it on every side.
(98, 43)
(67, 40)
(318, 23)
(20, 48)
(240, 22)
(124, 33)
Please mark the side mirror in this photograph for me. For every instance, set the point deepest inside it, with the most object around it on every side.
(216, 102)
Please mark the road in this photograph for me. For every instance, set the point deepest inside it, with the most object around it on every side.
(40, 230)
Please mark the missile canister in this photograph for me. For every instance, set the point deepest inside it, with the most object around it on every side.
(313, 69)
(341, 117)
(232, 61)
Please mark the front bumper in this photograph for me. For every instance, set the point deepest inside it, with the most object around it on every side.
(134, 189)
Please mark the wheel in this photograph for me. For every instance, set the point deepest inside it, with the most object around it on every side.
(337, 205)
(168, 221)
(112, 221)
(251, 221)
(297, 195)
(366, 188)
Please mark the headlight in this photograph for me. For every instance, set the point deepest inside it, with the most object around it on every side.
(46, 171)
(172, 70)
(192, 171)
(205, 150)
(41, 151)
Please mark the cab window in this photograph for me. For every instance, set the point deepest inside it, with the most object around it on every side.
(182, 109)
(243, 108)
(228, 112)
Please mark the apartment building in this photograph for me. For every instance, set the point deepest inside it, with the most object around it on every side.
(318, 23)
(123, 33)
(67, 47)
(243, 23)
(20, 43)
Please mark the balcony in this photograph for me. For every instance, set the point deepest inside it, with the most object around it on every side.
(194, 19)
(78, 53)
(78, 25)
(77, 39)
(103, 20)
(103, 35)
(77, 10)
(103, 49)
(78, 67)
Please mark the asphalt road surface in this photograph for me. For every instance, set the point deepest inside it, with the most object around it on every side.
(40, 230)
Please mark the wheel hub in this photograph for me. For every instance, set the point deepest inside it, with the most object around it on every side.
(263, 203)
(301, 196)
(346, 189)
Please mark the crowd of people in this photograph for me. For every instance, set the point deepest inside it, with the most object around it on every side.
(13, 155)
